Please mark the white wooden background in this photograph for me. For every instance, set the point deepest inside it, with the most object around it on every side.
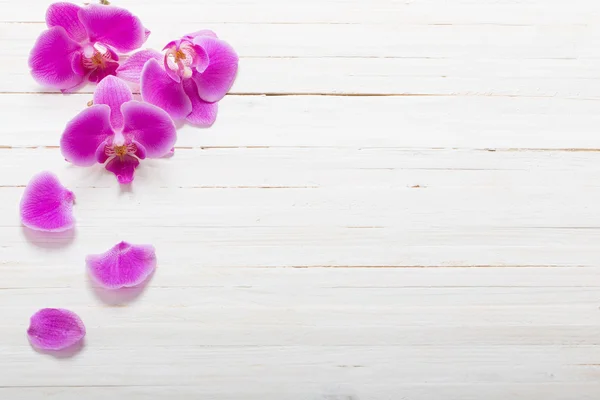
(399, 200)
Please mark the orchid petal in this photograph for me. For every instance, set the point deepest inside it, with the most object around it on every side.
(218, 77)
(65, 15)
(172, 74)
(159, 89)
(113, 26)
(100, 154)
(55, 329)
(201, 59)
(110, 69)
(131, 69)
(124, 265)
(170, 154)
(113, 92)
(84, 133)
(123, 167)
(203, 113)
(47, 205)
(150, 126)
(51, 58)
(140, 150)
(203, 32)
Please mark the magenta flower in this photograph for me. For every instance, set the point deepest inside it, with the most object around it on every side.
(119, 130)
(195, 72)
(47, 205)
(124, 265)
(55, 329)
(81, 41)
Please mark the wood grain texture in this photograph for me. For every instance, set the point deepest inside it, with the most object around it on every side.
(398, 201)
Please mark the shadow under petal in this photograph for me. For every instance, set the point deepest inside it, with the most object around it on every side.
(49, 240)
(119, 297)
(125, 188)
(68, 352)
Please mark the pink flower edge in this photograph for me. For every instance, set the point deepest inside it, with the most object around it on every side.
(47, 205)
(123, 265)
(55, 329)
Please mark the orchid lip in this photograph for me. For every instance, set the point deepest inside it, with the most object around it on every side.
(96, 56)
(181, 58)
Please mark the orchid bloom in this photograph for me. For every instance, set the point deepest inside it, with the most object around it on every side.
(118, 129)
(81, 41)
(188, 80)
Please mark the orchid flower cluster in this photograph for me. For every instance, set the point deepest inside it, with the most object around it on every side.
(183, 83)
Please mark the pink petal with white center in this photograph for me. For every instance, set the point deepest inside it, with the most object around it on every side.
(84, 133)
(123, 167)
(203, 113)
(51, 57)
(124, 265)
(47, 205)
(65, 15)
(218, 77)
(55, 329)
(113, 92)
(150, 126)
(159, 89)
(131, 69)
(113, 26)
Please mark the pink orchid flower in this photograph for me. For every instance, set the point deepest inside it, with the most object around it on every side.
(118, 129)
(194, 73)
(81, 41)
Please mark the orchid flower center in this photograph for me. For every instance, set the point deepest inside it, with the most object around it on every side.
(180, 58)
(112, 150)
(96, 56)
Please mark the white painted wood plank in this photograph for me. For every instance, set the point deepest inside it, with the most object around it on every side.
(439, 242)
(482, 123)
(508, 12)
(344, 207)
(332, 391)
(425, 60)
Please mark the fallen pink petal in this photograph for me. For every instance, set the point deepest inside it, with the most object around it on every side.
(82, 42)
(194, 73)
(118, 131)
(124, 265)
(55, 329)
(47, 205)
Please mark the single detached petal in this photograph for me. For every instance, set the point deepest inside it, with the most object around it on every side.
(84, 133)
(203, 113)
(131, 69)
(124, 265)
(113, 26)
(47, 205)
(150, 126)
(65, 15)
(159, 89)
(113, 92)
(51, 57)
(218, 77)
(123, 167)
(55, 329)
